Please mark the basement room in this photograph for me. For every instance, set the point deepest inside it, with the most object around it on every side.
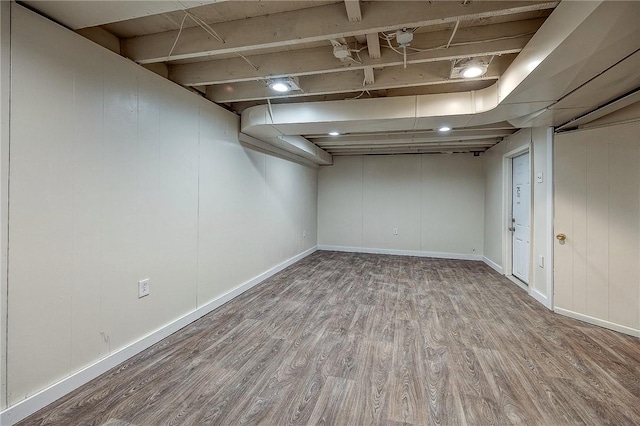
(342, 212)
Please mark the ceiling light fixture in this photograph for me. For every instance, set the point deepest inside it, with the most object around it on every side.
(444, 129)
(334, 133)
(280, 86)
(473, 71)
(470, 67)
(284, 85)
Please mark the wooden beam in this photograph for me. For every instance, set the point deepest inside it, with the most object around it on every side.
(321, 60)
(413, 137)
(369, 77)
(353, 10)
(373, 45)
(348, 81)
(415, 149)
(304, 26)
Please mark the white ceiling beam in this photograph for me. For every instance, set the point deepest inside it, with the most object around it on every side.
(414, 137)
(346, 82)
(478, 142)
(302, 26)
(321, 60)
(449, 148)
(353, 10)
(373, 45)
(369, 76)
(83, 14)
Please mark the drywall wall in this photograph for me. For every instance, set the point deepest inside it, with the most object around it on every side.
(118, 175)
(5, 84)
(539, 142)
(597, 207)
(436, 203)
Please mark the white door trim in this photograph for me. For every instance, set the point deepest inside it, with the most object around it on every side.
(507, 179)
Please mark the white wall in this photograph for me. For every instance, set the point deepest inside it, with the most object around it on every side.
(5, 84)
(435, 201)
(539, 142)
(119, 175)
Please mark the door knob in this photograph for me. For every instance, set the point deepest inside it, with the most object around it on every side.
(512, 229)
(561, 237)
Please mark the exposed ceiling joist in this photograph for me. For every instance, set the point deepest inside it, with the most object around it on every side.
(349, 81)
(321, 60)
(353, 10)
(373, 45)
(304, 26)
(414, 137)
(369, 76)
(83, 14)
(418, 149)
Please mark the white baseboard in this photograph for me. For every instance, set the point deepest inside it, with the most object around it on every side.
(493, 265)
(540, 298)
(48, 395)
(596, 321)
(457, 256)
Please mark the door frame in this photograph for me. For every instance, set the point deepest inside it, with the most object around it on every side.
(507, 237)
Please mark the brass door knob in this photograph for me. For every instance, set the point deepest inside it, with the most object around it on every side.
(561, 237)
(512, 229)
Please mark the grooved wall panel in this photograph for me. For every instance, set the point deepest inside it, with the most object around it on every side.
(119, 175)
(435, 201)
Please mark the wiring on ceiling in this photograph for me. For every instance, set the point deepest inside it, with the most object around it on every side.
(177, 37)
(202, 25)
(453, 33)
(359, 96)
(205, 26)
(248, 61)
(462, 43)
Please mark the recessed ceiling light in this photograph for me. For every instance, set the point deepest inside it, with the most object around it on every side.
(473, 71)
(444, 129)
(284, 84)
(280, 86)
(334, 133)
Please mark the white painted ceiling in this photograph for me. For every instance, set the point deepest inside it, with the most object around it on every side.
(550, 62)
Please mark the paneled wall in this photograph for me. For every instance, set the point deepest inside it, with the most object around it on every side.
(119, 175)
(597, 207)
(435, 202)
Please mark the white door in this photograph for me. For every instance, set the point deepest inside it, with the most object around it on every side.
(597, 225)
(520, 217)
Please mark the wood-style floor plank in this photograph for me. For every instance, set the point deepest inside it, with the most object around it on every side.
(350, 339)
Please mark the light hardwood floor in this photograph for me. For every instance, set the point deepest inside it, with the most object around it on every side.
(350, 339)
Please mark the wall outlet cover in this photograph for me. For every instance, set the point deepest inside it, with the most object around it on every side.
(143, 288)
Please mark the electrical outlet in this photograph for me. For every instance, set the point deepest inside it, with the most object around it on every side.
(143, 288)
(395, 231)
